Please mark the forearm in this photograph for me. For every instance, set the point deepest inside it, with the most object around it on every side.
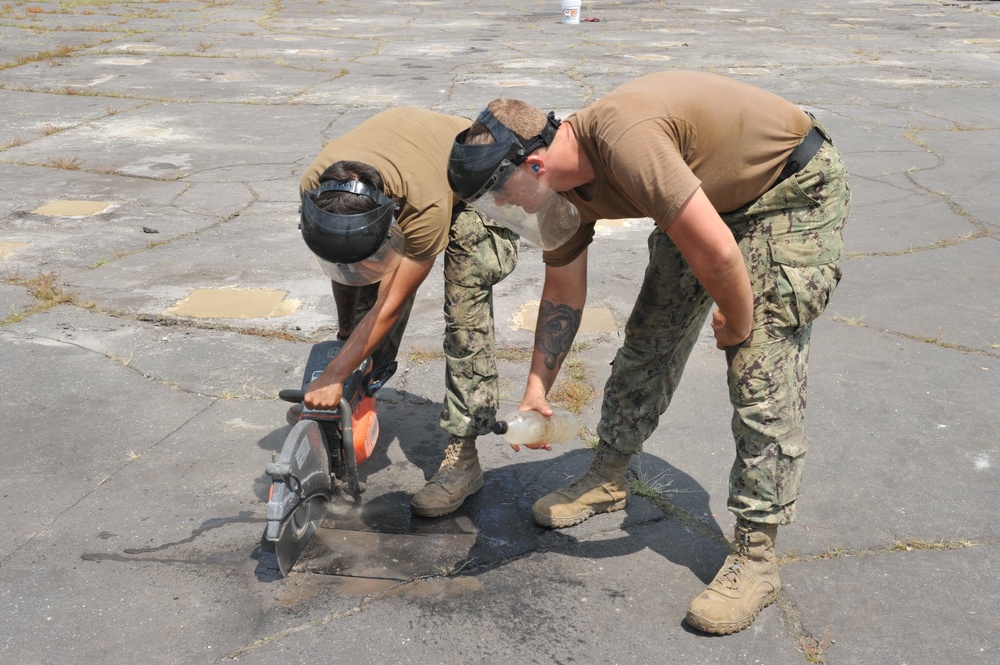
(728, 283)
(559, 313)
(555, 330)
(371, 331)
(714, 257)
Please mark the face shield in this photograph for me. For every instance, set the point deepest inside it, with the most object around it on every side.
(493, 179)
(354, 249)
(371, 270)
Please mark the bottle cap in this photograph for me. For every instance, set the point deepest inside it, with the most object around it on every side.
(499, 427)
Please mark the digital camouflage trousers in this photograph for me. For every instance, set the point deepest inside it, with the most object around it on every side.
(478, 256)
(791, 241)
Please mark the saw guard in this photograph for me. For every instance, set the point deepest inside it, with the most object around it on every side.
(364, 423)
(301, 472)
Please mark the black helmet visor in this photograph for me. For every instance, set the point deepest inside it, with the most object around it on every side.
(352, 249)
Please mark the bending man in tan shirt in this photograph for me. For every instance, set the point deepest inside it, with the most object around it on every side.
(749, 198)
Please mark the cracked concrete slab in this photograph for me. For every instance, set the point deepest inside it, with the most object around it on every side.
(137, 441)
(882, 626)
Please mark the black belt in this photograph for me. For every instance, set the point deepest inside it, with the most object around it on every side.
(803, 152)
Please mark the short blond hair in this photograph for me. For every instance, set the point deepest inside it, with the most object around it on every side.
(520, 117)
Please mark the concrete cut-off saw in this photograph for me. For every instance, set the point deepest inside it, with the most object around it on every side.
(322, 447)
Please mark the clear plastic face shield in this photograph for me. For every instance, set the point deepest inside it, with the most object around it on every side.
(372, 270)
(493, 179)
(354, 249)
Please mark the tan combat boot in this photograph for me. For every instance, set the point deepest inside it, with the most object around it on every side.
(747, 583)
(460, 476)
(601, 489)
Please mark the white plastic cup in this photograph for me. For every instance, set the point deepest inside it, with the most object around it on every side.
(571, 11)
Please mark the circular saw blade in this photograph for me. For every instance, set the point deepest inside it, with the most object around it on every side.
(300, 486)
(297, 530)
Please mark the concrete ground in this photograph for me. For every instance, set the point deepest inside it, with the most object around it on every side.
(156, 294)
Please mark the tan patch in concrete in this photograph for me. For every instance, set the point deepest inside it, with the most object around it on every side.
(594, 319)
(73, 208)
(652, 56)
(981, 41)
(235, 304)
(8, 248)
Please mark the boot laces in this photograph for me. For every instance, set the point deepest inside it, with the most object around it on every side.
(733, 575)
(449, 464)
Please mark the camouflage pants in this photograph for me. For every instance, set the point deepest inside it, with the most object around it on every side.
(477, 257)
(387, 351)
(791, 241)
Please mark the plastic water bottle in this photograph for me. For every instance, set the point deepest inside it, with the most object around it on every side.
(524, 427)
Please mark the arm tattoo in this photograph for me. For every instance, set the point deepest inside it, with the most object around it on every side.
(557, 326)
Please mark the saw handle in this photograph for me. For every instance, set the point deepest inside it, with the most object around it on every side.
(289, 395)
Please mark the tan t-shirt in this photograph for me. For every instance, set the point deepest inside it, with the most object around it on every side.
(410, 148)
(655, 140)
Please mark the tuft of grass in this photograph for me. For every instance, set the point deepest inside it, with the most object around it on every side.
(650, 488)
(13, 317)
(515, 354)
(911, 544)
(856, 321)
(420, 355)
(248, 390)
(124, 361)
(46, 290)
(69, 164)
(41, 56)
(572, 392)
(814, 649)
(13, 143)
(50, 129)
(132, 456)
(452, 570)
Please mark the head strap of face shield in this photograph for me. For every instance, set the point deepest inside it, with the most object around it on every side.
(481, 168)
(352, 186)
(522, 146)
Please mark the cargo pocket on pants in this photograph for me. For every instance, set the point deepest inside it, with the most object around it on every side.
(808, 273)
(774, 476)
